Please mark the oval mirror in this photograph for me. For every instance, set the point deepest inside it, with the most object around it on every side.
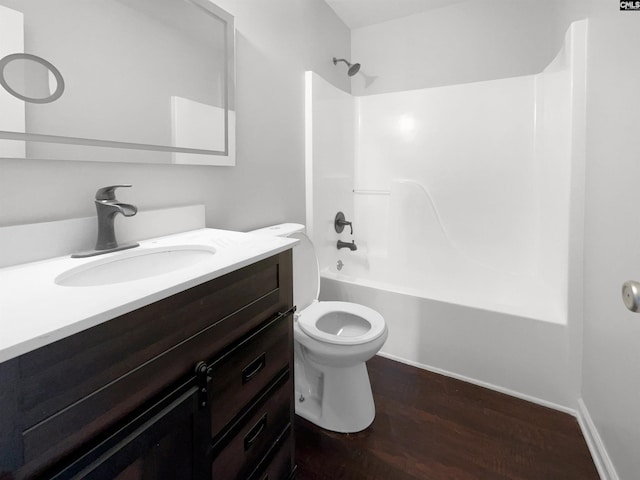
(31, 78)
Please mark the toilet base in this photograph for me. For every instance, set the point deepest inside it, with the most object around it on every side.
(344, 402)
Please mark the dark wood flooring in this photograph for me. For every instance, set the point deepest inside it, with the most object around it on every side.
(429, 426)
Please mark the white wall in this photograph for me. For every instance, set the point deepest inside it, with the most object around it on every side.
(611, 342)
(465, 42)
(276, 42)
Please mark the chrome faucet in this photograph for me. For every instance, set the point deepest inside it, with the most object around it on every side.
(108, 207)
(351, 246)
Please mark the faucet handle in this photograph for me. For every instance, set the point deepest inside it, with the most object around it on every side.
(108, 193)
(340, 222)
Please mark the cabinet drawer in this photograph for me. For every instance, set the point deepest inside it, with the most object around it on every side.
(279, 463)
(243, 372)
(254, 436)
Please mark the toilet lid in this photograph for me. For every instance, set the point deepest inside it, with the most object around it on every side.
(306, 272)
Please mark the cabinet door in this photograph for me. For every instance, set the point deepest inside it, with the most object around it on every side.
(167, 441)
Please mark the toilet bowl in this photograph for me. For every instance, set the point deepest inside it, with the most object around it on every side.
(332, 342)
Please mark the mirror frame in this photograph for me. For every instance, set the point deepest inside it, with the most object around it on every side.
(34, 58)
(129, 149)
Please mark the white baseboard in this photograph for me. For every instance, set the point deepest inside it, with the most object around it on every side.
(601, 458)
(480, 383)
(596, 446)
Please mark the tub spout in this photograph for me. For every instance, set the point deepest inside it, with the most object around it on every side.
(351, 246)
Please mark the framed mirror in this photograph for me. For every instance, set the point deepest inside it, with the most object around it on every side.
(148, 81)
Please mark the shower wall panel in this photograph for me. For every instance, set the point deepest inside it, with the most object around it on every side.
(471, 183)
(467, 214)
(471, 148)
(329, 145)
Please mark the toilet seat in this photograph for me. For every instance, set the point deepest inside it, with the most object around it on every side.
(357, 324)
(340, 323)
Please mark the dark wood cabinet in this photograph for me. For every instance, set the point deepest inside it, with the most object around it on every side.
(197, 385)
(167, 440)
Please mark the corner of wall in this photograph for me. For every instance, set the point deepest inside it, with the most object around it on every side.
(601, 458)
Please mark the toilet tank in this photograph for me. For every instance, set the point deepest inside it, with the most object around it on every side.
(306, 271)
(281, 230)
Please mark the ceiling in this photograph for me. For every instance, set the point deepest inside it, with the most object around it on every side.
(360, 13)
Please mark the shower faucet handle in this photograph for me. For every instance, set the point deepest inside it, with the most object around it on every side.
(340, 222)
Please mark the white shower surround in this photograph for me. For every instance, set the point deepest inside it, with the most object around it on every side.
(461, 201)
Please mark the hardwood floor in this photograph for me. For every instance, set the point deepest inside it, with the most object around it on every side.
(429, 426)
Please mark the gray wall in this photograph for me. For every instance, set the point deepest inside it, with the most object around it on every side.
(611, 341)
(468, 41)
(276, 42)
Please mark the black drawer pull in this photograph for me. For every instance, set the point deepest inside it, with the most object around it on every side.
(255, 432)
(254, 367)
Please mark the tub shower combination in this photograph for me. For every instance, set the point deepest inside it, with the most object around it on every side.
(463, 202)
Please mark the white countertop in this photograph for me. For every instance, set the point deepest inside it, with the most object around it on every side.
(35, 311)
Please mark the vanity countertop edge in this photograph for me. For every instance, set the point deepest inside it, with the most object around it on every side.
(35, 311)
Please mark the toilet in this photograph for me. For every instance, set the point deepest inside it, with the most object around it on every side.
(333, 340)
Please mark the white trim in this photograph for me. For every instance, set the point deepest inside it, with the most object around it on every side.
(596, 446)
(308, 151)
(480, 383)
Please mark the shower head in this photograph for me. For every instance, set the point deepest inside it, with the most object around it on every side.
(353, 68)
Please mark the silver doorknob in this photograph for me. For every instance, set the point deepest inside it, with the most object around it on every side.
(631, 295)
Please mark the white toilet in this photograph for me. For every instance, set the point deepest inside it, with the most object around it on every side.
(333, 340)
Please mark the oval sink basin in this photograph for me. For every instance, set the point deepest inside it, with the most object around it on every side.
(135, 265)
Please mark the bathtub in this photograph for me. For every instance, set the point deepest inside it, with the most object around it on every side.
(447, 276)
(456, 333)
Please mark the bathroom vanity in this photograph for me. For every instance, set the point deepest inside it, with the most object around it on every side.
(195, 384)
